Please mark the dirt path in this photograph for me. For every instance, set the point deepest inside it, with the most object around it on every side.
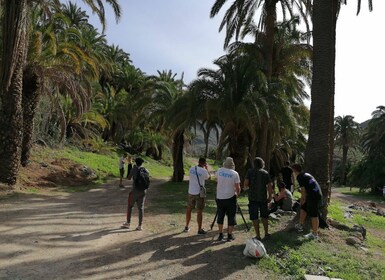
(56, 235)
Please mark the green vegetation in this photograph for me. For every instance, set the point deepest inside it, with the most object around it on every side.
(289, 253)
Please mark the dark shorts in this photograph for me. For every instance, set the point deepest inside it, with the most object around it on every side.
(195, 201)
(227, 207)
(256, 208)
(311, 207)
(121, 170)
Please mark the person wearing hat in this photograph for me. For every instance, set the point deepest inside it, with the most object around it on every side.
(260, 187)
(284, 199)
(135, 196)
(228, 188)
(197, 177)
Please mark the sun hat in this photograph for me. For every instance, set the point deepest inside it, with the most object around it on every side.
(229, 163)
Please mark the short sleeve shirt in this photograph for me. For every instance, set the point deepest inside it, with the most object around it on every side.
(313, 190)
(203, 175)
(226, 181)
(258, 181)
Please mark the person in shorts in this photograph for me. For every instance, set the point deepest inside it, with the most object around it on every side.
(260, 187)
(228, 188)
(311, 199)
(122, 162)
(197, 177)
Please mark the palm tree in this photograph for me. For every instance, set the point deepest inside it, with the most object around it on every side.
(14, 43)
(374, 138)
(320, 143)
(239, 18)
(347, 133)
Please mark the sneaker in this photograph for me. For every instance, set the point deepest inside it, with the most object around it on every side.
(139, 228)
(126, 225)
(230, 237)
(186, 229)
(121, 186)
(220, 237)
(201, 231)
(299, 227)
(311, 236)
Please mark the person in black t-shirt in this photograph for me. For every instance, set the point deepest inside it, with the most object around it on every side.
(259, 183)
(311, 198)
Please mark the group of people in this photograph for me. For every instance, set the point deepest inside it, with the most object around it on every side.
(262, 200)
(258, 183)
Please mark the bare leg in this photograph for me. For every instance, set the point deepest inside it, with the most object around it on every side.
(314, 225)
(199, 219)
(265, 223)
(302, 217)
(188, 216)
(230, 229)
(256, 228)
(220, 228)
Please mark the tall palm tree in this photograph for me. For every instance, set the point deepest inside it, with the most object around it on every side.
(347, 133)
(14, 43)
(320, 143)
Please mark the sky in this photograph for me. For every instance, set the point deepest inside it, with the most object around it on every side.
(179, 35)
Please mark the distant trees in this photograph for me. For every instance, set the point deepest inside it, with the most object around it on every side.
(347, 134)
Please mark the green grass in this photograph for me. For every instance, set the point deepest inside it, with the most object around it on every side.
(289, 254)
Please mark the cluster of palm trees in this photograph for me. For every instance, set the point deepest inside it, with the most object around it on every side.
(364, 167)
(254, 97)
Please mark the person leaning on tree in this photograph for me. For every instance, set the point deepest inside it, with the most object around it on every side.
(197, 177)
(260, 187)
(228, 188)
(311, 199)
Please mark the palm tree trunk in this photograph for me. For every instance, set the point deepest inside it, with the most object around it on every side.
(343, 167)
(271, 19)
(177, 156)
(317, 154)
(11, 72)
(31, 86)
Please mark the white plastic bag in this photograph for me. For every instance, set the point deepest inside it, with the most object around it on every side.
(254, 248)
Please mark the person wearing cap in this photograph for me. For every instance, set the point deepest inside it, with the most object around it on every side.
(197, 177)
(228, 188)
(135, 196)
(284, 199)
(260, 187)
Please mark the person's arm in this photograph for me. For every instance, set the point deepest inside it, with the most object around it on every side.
(280, 196)
(238, 188)
(303, 195)
(246, 184)
(270, 191)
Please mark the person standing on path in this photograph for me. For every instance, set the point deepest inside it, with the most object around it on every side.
(122, 161)
(260, 187)
(311, 199)
(136, 195)
(197, 177)
(228, 188)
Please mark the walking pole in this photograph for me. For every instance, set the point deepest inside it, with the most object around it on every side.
(244, 221)
(212, 224)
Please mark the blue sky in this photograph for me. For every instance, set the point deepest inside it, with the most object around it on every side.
(179, 35)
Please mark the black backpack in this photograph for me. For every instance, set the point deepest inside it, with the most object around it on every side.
(142, 179)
